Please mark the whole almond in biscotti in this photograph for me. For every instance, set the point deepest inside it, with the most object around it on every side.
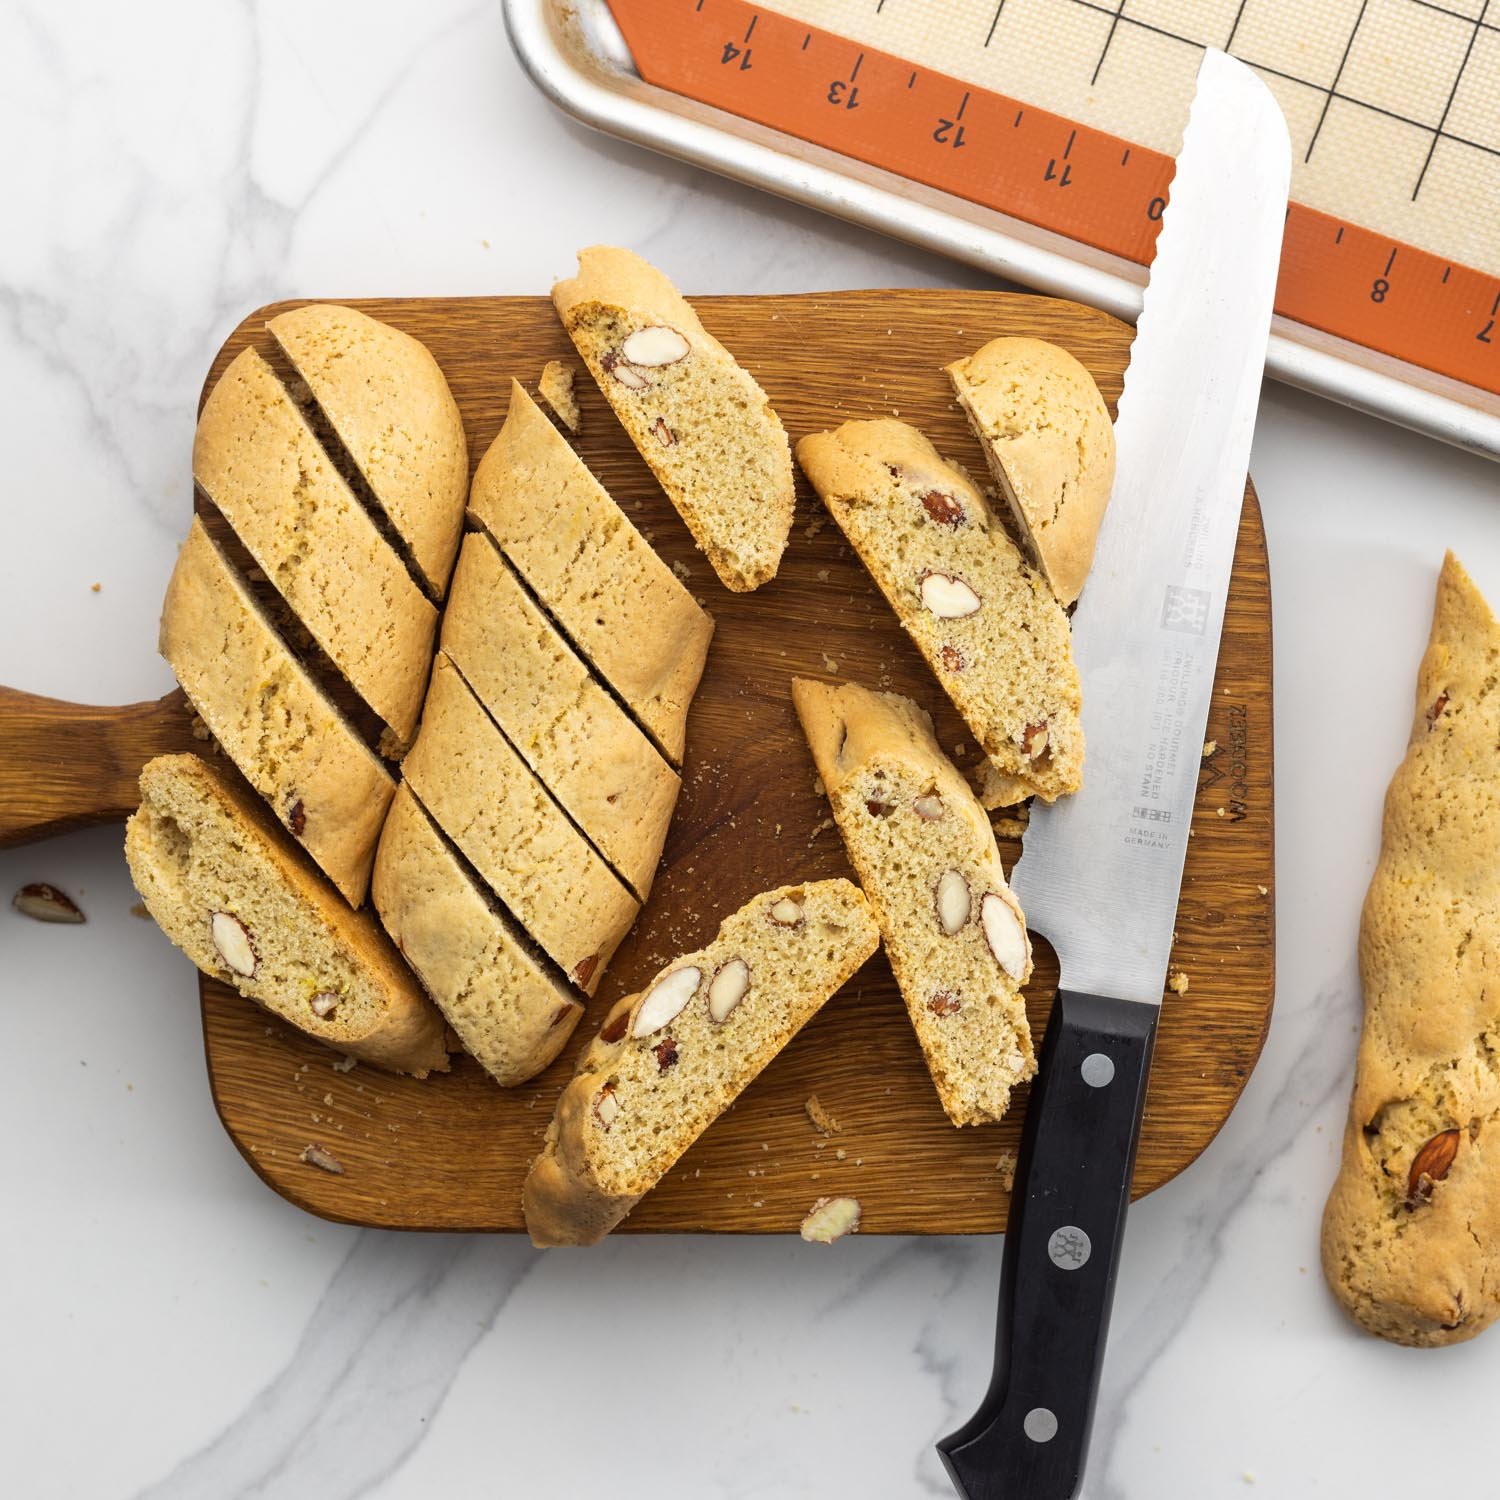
(235, 893)
(1047, 437)
(1411, 1233)
(669, 1061)
(699, 420)
(926, 856)
(991, 629)
(384, 396)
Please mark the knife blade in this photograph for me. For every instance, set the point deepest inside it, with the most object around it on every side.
(1100, 873)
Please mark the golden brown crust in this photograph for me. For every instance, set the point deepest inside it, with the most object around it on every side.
(386, 398)
(1008, 663)
(289, 741)
(510, 1011)
(577, 550)
(199, 844)
(1411, 1233)
(1046, 434)
(259, 462)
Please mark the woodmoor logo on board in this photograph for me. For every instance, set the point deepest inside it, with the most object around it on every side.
(1230, 762)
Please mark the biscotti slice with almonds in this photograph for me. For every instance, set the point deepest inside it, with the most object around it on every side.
(487, 800)
(1411, 1233)
(990, 627)
(671, 1060)
(510, 1011)
(700, 421)
(265, 471)
(590, 754)
(389, 404)
(230, 889)
(624, 610)
(925, 854)
(288, 739)
(1047, 437)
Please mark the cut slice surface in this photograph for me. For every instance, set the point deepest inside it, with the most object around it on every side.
(232, 891)
(1046, 434)
(288, 739)
(590, 754)
(927, 859)
(988, 624)
(510, 1011)
(384, 395)
(618, 603)
(669, 1061)
(487, 800)
(261, 465)
(701, 422)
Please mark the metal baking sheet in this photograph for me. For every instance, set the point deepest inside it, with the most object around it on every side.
(575, 54)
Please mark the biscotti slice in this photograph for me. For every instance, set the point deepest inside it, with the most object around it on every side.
(290, 742)
(486, 799)
(1046, 434)
(620, 605)
(510, 1011)
(555, 386)
(385, 397)
(671, 1060)
(233, 892)
(610, 779)
(259, 462)
(701, 422)
(925, 854)
(1411, 1233)
(988, 624)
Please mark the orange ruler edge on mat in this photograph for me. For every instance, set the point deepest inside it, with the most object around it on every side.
(1049, 171)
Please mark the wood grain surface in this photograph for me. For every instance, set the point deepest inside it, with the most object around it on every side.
(450, 1152)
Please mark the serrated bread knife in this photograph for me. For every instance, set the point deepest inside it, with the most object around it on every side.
(1100, 872)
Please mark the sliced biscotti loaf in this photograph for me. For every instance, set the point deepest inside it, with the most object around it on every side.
(1411, 1233)
(701, 422)
(670, 1060)
(486, 799)
(233, 892)
(385, 397)
(987, 623)
(1046, 434)
(512, 1013)
(594, 759)
(259, 462)
(926, 857)
(620, 605)
(291, 743)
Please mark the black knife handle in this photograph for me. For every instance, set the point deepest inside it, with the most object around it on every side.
(1029, 1438)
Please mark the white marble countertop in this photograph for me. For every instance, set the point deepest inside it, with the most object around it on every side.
(168, 1327)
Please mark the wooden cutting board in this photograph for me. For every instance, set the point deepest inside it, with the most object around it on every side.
(450, 1152)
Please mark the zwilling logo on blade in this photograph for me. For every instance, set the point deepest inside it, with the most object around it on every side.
(1185, 610)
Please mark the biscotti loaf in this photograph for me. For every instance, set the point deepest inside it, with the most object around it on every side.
(988, 624)
(288, 739)
(384, 395)
(700, 421)
(669, 1061)
(259, 462)
(1046, 434)
(926, 856)
(1411, 1233)
(232, 891)
(510, 1011)
(610, 779)
(620, 605)
(486, 799)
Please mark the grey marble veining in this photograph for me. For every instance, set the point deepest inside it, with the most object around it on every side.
(172, 1329)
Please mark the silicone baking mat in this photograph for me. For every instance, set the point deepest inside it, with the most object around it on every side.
(1065, 113)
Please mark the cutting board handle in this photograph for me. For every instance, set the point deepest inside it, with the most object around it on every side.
(66, 765)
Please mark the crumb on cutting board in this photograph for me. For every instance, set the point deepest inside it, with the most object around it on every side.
(822, 1120)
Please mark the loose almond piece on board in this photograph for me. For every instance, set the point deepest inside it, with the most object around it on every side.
(45, 903)
(830, 1219)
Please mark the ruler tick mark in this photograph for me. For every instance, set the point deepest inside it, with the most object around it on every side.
(963, 105)
(1446, 271)
(1124, 159)
(1072, 136)
(912, 81)
(1019, 113)
(994, 22)
(1495, 305)
(806, 40)
(854, 71)
(751, 26)
(1389, 264)
(1338, 239)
